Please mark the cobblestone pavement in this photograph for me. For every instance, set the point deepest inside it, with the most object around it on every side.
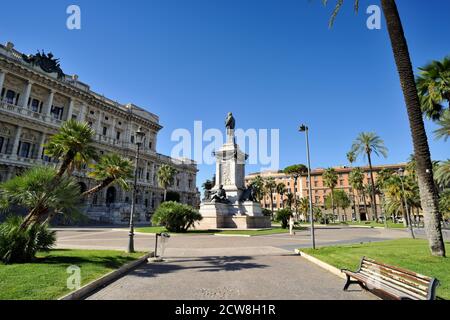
(219, 267)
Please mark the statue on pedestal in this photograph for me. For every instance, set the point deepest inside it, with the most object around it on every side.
(230, 124)
(220, 195)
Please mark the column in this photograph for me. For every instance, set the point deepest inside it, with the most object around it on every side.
(99, 123)
(41, 145)
(26, 95)
(48, 105)
(70, 110)
(16, 141)
(113, 128)
(145, 170)
(2, 79)
(82, 115)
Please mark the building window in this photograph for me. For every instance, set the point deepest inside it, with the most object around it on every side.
(118, 135)
(106, 118)
(132, 139)
(36, 105)
(105, 130)
(150, 145)
(57, 112)
(74, 117)
(190, 183)
(24, 149)
(2, 140)
(178, 182)
(10, 96)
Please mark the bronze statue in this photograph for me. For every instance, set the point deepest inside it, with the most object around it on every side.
(230, 122)
(46, 62)
(220, 195)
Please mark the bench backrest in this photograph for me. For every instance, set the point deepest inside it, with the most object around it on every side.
(414, 286)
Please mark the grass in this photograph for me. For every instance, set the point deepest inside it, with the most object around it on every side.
(273, 230)
(410, 254)
(46, 278)
(376, 224)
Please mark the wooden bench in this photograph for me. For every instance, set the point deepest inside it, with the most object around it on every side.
(391, 283)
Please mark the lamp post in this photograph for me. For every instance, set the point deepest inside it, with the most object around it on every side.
(139, 140)
(411, 230)
(305, 129)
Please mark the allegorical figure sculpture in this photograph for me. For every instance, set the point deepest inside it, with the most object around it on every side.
(46, 62)
(220, 195)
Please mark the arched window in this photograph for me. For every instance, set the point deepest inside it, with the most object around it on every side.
(10, 95)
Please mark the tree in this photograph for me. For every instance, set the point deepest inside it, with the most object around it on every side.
(36, 191)
(433, 86)
(351, 158)
(383, 177)
(111, 168)
(290, 199)
(281, 190)
(72, 145)
(330, 179)
(444, 131)
(356, 179)
(258, 187)
(295, 171)
(304, 206)
(428, 193)
(270, 186)
(366, 144)
(166, 175)
(442, 175)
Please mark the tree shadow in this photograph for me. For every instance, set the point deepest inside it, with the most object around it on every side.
(200, 264)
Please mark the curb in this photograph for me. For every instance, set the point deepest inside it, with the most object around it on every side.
(232, 235)
(321, 264)
(91, 287)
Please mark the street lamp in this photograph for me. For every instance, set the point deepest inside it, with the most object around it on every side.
(401, 172)
(305, 129)
(139, 141)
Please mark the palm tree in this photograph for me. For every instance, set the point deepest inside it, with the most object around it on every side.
(433, 85)
(72, 145)
(356, 179)
(366, 144)
(330, 179)
(166, 174)
(281, 190)
(270, 186)
(382, 178)
(303, 206)
(258, 187)
(351, 158)
(36, 191)
(444, 131)
(428, 193)
(442, 175)
(111, 168)
(290, 199)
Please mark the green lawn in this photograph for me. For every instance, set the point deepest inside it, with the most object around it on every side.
(273, 230)
(411, 254)
(376, 224)
(46, 278)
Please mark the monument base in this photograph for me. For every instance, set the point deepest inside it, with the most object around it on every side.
(245, 215)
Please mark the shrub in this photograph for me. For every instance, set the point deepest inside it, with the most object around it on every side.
(21, 245)
(283, 217)
(176, 217)
(266, 212)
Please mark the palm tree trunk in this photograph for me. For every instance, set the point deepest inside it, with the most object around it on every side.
(428, 192)
(332, 203)
(372, 182)
(365, 203)
(357, 213)
(99, 187)
(271, 204)
(165, 195)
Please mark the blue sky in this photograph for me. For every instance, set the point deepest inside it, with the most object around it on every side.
(273, 63)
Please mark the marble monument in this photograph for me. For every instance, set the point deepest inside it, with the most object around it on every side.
(230, 204)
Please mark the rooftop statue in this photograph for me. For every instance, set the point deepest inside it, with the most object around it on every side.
(46, 62)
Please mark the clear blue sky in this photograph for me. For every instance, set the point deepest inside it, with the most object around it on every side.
(274, 63)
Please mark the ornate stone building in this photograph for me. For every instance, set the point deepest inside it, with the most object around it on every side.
(37, 97)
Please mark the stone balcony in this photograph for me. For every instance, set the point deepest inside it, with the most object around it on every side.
(28, 114)
(15, 160)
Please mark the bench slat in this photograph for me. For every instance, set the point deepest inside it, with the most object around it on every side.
(393, 292)
(393, 282)
(396, 278)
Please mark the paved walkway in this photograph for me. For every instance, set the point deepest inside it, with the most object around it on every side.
(216, 267)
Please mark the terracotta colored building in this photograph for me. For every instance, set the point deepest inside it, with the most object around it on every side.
(320, 191)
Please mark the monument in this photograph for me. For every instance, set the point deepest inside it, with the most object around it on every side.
(229, 204)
